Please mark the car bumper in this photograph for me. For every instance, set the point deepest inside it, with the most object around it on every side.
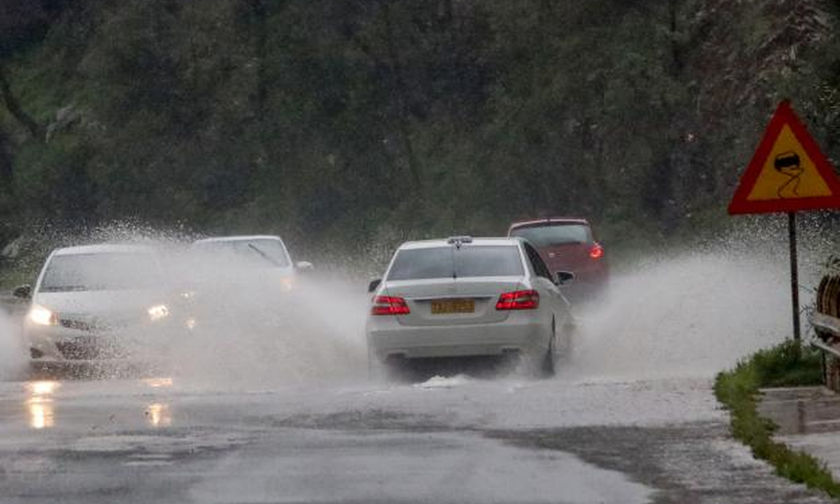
(387, 338)
(64, 344)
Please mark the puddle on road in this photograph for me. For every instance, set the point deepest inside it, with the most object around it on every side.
(433, 467)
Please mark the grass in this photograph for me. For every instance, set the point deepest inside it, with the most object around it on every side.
(781, 366)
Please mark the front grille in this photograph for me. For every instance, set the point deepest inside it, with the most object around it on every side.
(97, 324)
(79, 349)
(76, 324)
(90, 348)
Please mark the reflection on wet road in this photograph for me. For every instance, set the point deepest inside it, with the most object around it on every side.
(157, 382)
(39, 403)
(159, 415)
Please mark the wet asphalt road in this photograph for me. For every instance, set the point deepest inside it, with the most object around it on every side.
(444, 440)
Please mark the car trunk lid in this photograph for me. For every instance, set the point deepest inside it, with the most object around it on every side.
(452, 301)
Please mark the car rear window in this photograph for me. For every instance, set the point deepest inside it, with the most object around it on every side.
(555, 234)
(106, 271)
(448, 262)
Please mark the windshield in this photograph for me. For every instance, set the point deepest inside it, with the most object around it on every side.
(558, 234)
(451, 262)
(248, 253)
(96, 272)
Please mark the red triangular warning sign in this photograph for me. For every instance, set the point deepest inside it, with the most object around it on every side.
(788, 172)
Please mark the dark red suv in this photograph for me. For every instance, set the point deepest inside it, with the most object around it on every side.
(568, 244)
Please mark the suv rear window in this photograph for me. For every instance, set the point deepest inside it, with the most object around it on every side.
(449, 262)
(555, 234)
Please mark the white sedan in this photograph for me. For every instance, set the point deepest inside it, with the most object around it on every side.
(463, 297)
(96, 302)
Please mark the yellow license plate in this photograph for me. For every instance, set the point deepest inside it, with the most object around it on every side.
(453, 306)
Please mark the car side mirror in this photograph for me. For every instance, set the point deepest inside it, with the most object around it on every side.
(564, 277)
(23, 292)
(304, 266)
(374, 284)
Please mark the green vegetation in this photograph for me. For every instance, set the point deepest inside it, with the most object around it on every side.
(338, 124)
(784, 365)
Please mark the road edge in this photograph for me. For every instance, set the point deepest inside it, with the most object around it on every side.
(738, 390)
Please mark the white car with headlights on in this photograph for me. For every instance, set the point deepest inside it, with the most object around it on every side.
(464, 297)
(97, 302)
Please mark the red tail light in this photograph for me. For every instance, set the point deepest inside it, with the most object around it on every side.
(519, 300)
(596, 252)
(389, 305)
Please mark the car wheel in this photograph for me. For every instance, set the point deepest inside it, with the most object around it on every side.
(547, 367)
(392, 369)
(398, 369)
(568, 337)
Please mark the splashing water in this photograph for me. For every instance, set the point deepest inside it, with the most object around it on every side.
(12, 356)
(689, 316)
(267, 339)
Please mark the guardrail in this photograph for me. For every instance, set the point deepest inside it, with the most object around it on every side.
(827, 329)
(826, 326)
(826, 323)
(825, 349)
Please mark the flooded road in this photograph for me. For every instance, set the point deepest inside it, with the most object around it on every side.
(446, 440)
(630, 417)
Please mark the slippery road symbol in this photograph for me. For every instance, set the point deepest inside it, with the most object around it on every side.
(788, 164)
(788, 172)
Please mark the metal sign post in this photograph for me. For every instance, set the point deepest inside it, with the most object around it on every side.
(794, 274)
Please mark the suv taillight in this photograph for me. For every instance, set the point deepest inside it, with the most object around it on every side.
(519, 300)
(596, 252)
(389, 305)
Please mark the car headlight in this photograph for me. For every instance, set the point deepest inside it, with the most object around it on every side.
(42, 316)
(288, 283)
(158, 312)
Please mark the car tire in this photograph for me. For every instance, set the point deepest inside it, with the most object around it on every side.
(392, 369)
(569, 333)
(547, 369)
